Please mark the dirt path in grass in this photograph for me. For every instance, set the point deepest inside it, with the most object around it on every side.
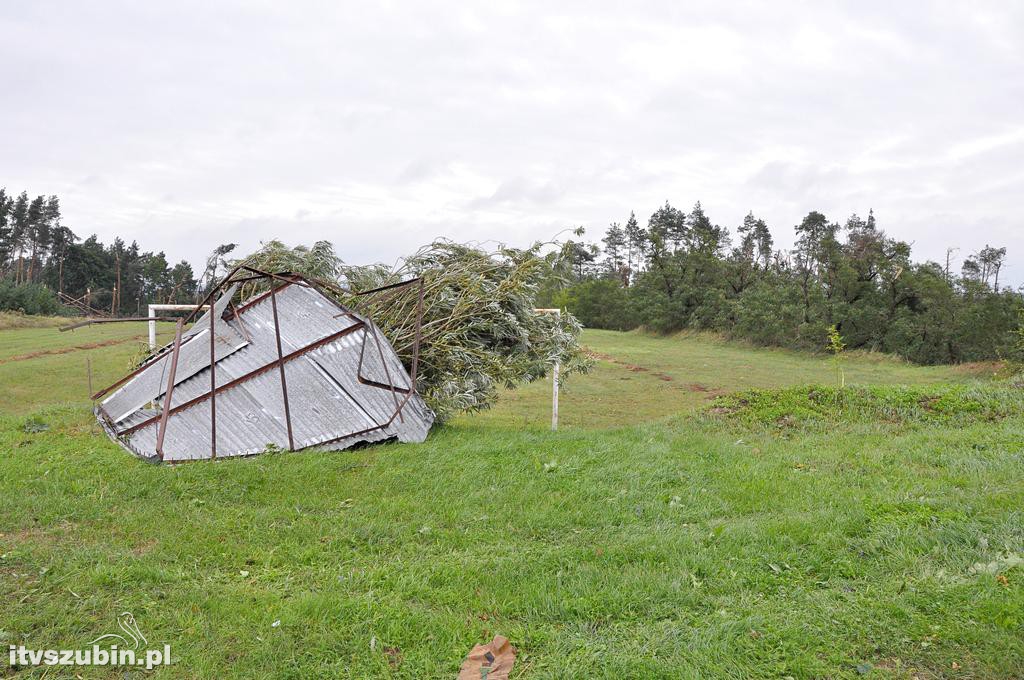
(69, 350)
(711, 392)
(632, 367)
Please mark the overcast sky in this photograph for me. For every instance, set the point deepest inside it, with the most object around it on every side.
(380, 127)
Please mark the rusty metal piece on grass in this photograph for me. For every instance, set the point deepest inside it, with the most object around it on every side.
(327, 391)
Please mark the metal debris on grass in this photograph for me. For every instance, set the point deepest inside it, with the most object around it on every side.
(290, 368)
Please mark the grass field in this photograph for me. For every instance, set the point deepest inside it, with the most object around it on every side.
(666, 531)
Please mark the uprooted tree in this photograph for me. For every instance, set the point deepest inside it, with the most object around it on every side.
(479, 329)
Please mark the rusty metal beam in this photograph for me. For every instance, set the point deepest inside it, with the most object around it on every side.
(262, 296)
(280, 357)
(247, 279)
(162, 350)
(170, 390)
(209, 296)
(381, 289)
(387, 372)
(383, 386)
(234, 315)
(213, 387)
(321, 284)
(89, 322)
(285, 277)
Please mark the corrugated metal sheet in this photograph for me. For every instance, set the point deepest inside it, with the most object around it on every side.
(193, 356)
(331, 400)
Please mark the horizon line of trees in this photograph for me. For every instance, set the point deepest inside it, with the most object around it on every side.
(683, 271)
(679, 271)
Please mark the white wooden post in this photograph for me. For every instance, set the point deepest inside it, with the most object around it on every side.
(554, 395)
(554, 373)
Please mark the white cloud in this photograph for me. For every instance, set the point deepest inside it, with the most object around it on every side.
(981, 145)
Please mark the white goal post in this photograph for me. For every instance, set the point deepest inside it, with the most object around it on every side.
(164, 308)
(558, 366)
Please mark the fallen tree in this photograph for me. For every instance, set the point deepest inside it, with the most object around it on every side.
(479, 331)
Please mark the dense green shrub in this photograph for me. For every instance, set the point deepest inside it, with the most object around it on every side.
(29, 298)
(599, 303)
(684, 272)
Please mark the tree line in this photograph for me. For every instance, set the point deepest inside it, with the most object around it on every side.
(679, 271)
(683, 271)
(42, 260)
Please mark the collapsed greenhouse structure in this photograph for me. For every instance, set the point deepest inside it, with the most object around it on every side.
(288, 369)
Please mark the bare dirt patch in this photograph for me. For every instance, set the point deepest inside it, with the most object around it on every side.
(980, 368)
(37, 535)
(144, 547)
(708, 392)
(628, 366)
(69, 350)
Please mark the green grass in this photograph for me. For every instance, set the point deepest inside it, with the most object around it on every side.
(948, 405)
(653, 377)
(42, 366)
(786, 531)
(11, 320)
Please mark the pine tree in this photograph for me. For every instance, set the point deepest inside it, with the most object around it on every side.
(19, 232)
(748, 238)
(614, 246)
(183, 284)
(6, 246)
(635, 239)
(668, 226)
(763, 239)
(813, 235)
(990, 261)
(61, 239)
(39, 216)
(703, 236)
